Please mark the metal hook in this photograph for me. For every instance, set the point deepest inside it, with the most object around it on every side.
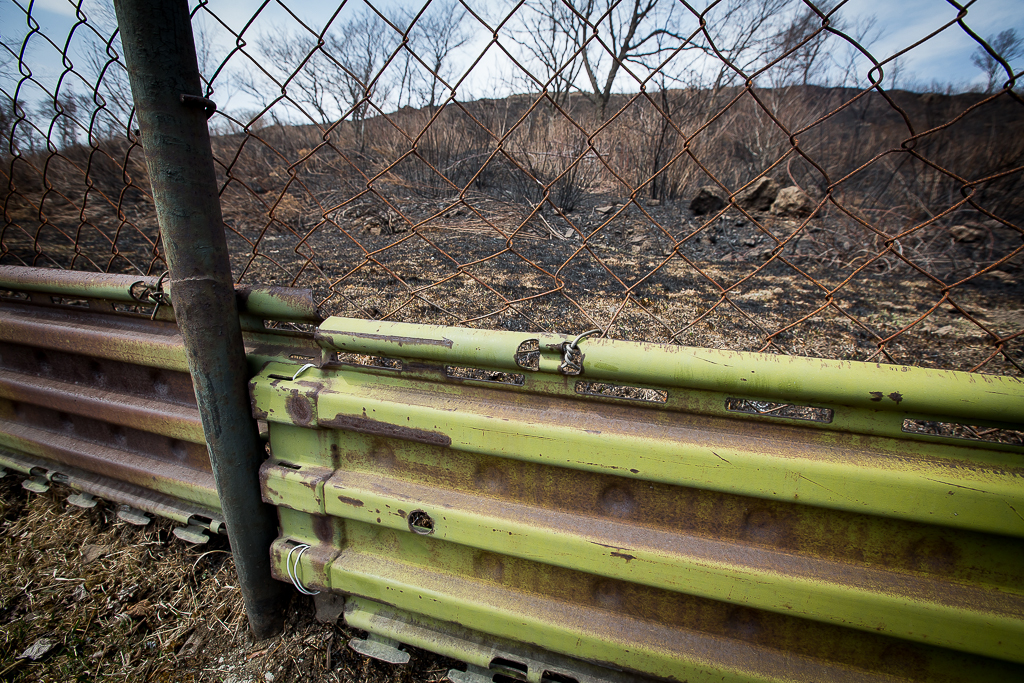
(301, 370)
(208, 105)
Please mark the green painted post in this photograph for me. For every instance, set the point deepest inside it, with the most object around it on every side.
(161, 60)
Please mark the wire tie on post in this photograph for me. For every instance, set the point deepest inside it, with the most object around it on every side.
(158, 295)
(293, 571)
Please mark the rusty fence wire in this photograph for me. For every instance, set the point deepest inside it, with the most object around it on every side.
(743, 175)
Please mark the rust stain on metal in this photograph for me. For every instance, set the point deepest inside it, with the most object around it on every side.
(141, 342)
(749, 639)
(73, 282)
(141, 469)
(896, 396)
(354, 502)
(876, 395)
(298, 301)
(746, 522)
(447, 343)
(152, 413)
(323, 527)
(257, 412)
(626, 556)
(299, 409)
(365, 425)
(264, 477)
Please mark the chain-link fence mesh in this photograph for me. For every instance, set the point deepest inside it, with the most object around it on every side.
(742, 175)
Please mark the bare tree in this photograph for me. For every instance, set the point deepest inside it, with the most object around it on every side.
(818, 47)
(111, 100)
(333, 77)
(361, 48)
(1008, 47)
(587, 44)
(309, 79)
(435, 35)
(633, 28)
(551, 35)
(803, 42)
(740, 36)
(62, 111)
(617, 34)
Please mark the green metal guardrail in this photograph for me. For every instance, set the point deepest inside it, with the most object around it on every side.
(681, 513)
(608, 511)
(95, 390)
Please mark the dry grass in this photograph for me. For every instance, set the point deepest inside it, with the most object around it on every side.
(123, 603)
(900, 263)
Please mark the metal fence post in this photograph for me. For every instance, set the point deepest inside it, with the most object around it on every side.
(161, 59)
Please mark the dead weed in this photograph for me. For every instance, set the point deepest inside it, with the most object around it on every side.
(88, 597)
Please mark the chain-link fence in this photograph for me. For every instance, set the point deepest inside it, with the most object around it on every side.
(759, 175)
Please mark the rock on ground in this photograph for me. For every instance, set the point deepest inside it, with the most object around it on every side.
(792, 202)
(759, 196)
(708, 199)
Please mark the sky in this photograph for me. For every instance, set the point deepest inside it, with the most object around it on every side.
(944, 59)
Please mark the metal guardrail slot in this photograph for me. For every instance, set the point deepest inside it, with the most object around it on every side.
(133, 309)
(781, 410)
(481, 375)
(286, 326)
(629, 393)
(369, 361)
(65, 301)
(553, 677)
(966, 432)
(514, 670)
(214, 526)
(527, 355)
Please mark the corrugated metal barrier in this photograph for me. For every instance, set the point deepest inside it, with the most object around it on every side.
(682, 513)
(559, 508)
(95, 388)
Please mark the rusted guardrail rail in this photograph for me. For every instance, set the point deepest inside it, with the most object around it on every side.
(95, 389)
(545, 510)
(682, 513)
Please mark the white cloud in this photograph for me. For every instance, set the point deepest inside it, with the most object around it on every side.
(56, 6)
